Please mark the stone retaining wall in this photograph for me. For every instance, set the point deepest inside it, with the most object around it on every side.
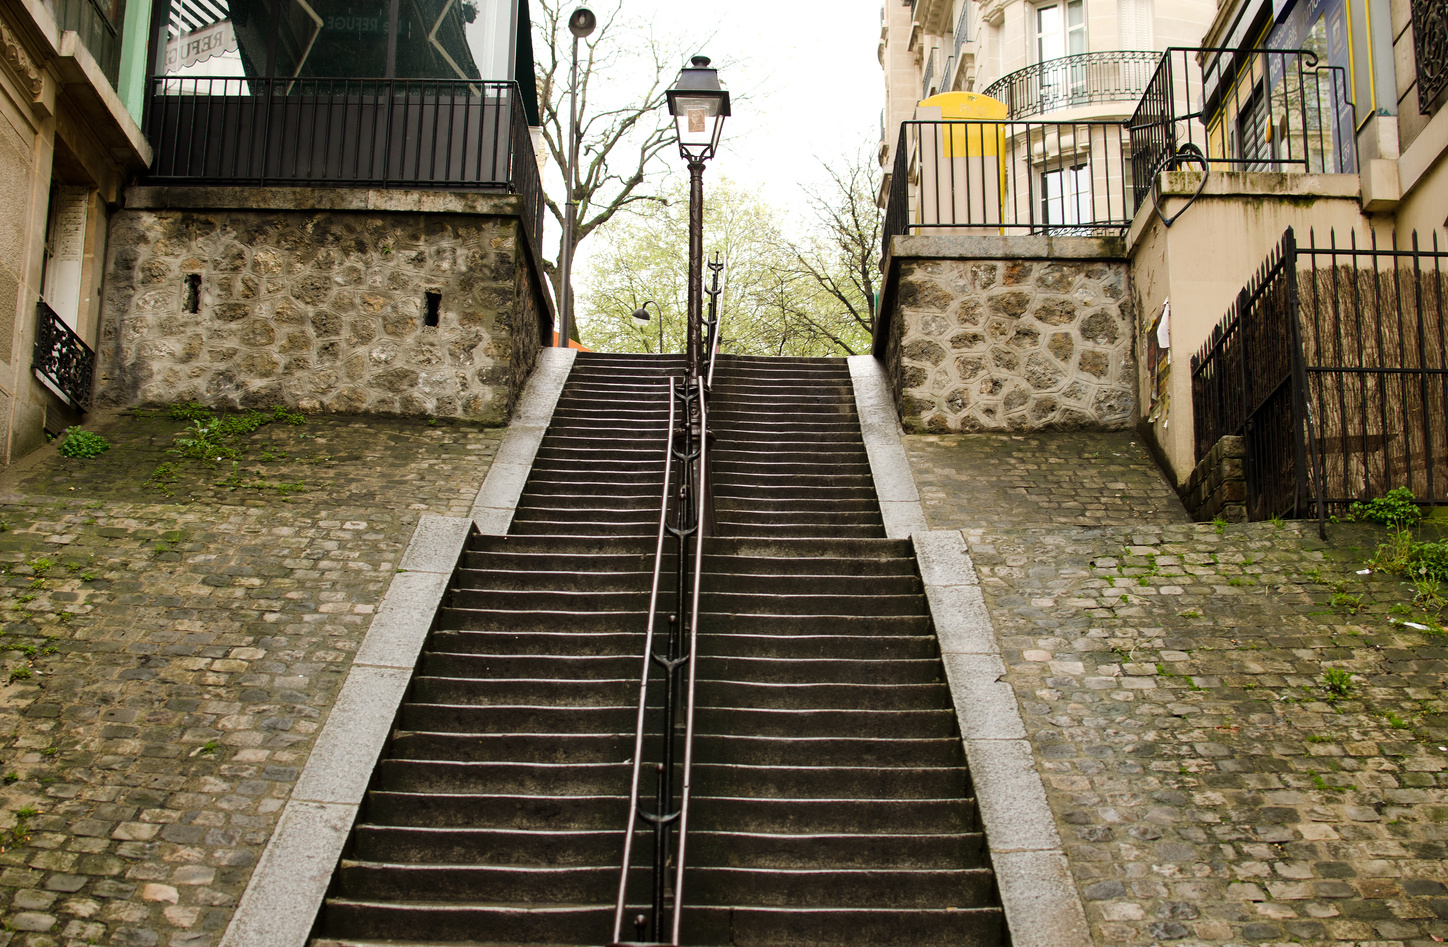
(1217, 487)
(320, 304)
(1009, 334)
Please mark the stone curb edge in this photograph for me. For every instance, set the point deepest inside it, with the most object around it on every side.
(498, 496)
(1042, 906)
(281, 900)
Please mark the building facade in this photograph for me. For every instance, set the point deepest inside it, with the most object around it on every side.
(72, 95)
(1181, 168)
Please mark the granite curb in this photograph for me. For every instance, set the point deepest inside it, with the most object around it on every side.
(498, 496)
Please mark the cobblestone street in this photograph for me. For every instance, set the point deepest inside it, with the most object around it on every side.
(1211, 783)
(172, 645)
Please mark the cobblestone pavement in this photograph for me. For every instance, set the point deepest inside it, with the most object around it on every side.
(1056, 479)
(1210, 785)
(168, 659)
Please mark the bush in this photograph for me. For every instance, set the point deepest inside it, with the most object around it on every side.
(1398, 510)
(79, 443)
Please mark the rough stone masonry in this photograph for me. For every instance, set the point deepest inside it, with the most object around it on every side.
(384, 303)
(977, 343)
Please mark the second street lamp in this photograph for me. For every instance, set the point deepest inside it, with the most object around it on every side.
(699, 106)
(581, 24)
(641, 319)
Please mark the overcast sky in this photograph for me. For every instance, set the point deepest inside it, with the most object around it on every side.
(808, 70)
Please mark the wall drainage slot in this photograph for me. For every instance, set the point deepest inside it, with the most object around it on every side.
(191, 294)
(434, 304)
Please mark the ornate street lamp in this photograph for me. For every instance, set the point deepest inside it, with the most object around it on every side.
(641, 319)
(699, 105)
(580, 24)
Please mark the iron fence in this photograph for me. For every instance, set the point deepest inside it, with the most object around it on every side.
(1373, 328)
(95, 24)
(1072, 81)
(412, 133)
(928, 76)
(1247, 381)
(1430, 53)
(62, 358)
(1243, 110)
(1333, 365)
(985, 177)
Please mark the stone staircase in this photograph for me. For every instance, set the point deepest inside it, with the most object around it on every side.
(831, 804)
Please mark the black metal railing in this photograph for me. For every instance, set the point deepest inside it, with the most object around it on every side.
(98, 28)
(1430, 53)
(1333, 365)
(962, 26)
(389, 133)
(1248, 381)
(1009, 177)
(1073, 81)
(1374, 322)
(928, 76)
(1243, 110)
(667, 685)
(62, 358)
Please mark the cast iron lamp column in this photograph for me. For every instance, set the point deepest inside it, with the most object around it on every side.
(699, 105)
(580, 24)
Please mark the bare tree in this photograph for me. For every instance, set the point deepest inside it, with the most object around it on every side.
(622, 125)
(841, 259)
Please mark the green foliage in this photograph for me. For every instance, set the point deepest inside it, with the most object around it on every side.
(1350, 604)
(1428, 560)
(82, 443)
(1398, 509)
(189, 411)
(1337, 682)
(778, 297)
(21, 674)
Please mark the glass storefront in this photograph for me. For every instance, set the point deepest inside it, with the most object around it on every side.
(312, 39)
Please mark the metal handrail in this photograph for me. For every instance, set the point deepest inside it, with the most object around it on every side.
(680, 651)
(712, 351)
(633, 799)
(700, 499)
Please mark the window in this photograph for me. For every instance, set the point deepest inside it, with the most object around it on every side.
(1060, 30)
(1066, 199)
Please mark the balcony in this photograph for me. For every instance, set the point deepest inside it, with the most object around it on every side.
(1074, 81)
(64, 362)
(454, 135)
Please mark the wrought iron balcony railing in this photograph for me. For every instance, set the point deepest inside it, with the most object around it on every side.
(97, 25)
(990, 177)
(1430, 49)
(1243, 110)
(62, 358)
(1072, 81)
(388, 133)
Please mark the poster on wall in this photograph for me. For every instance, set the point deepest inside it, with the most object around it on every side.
(1158, 365)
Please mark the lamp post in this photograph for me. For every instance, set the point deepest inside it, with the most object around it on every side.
(699, 106)
(641, 318)
(580, 24)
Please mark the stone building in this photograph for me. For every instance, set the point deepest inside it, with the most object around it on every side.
(72, 91)
(325, 205)
(1071, 139)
